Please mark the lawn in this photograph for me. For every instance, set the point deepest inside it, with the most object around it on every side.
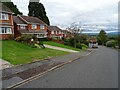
(61, 45)
(17, 53)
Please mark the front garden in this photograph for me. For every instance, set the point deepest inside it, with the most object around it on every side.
(19, 53)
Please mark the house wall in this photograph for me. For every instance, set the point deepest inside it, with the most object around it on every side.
(54, 34)
(10, 21)
(16, 32)
(38, 27)
(29, 27)
(5, 36)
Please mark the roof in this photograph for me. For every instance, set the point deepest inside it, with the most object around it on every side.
(4, 8)
(32, 31)
(30, 19)
(66, 31)
(54, 28)
(93, 39)
(17, 20)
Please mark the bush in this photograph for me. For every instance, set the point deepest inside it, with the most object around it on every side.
(26, 39)
(111, 43)
(69, 42)
(78, 45)
(83, 45)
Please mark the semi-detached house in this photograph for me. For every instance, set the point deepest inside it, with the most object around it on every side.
(29, 25)
(55, 32)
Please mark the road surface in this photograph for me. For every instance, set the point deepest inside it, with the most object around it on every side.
(98, 70)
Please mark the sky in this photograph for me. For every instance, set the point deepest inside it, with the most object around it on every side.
(93, 15)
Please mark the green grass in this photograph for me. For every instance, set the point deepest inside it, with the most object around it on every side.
(17, 53)
(61, 45)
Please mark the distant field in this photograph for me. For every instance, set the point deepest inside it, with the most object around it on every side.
(17, 53)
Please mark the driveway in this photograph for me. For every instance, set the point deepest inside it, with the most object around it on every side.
(98, 70)
(61, 49)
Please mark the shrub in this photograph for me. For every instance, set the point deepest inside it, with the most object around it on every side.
(84, 45)
(78, 45)
(26, 39)
(111, 43)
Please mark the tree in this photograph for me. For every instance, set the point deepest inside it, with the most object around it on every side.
(37, 9)
(75, 28)
(12, 7)
(102, 37)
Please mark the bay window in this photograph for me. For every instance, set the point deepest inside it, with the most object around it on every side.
(5, 30)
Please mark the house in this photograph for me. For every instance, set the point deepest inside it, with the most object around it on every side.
(29, 25)
(67, 34)
(93, 42)
(55, 32)
(6, 22)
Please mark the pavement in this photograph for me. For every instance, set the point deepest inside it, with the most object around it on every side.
(16, 74)
(97, 70)
(59, 48)
(4, 64)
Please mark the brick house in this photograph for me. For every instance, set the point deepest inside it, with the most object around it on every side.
(55, 32)
(6, 22)
(29, 25)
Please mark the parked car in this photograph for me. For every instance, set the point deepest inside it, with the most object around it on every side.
(94, 46)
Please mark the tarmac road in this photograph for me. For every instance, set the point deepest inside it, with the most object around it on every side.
(98, 70)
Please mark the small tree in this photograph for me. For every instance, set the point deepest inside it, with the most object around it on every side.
(75, 28)
(102, 37)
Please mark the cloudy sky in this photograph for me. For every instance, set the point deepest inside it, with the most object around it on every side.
(93, 14)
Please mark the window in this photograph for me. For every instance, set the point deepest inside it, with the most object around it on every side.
(22, 27)
(42, 27)
(34, 26)
(52, 32)
(5, 30)
(3, 16)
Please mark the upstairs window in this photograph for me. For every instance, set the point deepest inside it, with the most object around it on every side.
(5, 30)
(42, 27)
(34, 26)
(4, 16)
